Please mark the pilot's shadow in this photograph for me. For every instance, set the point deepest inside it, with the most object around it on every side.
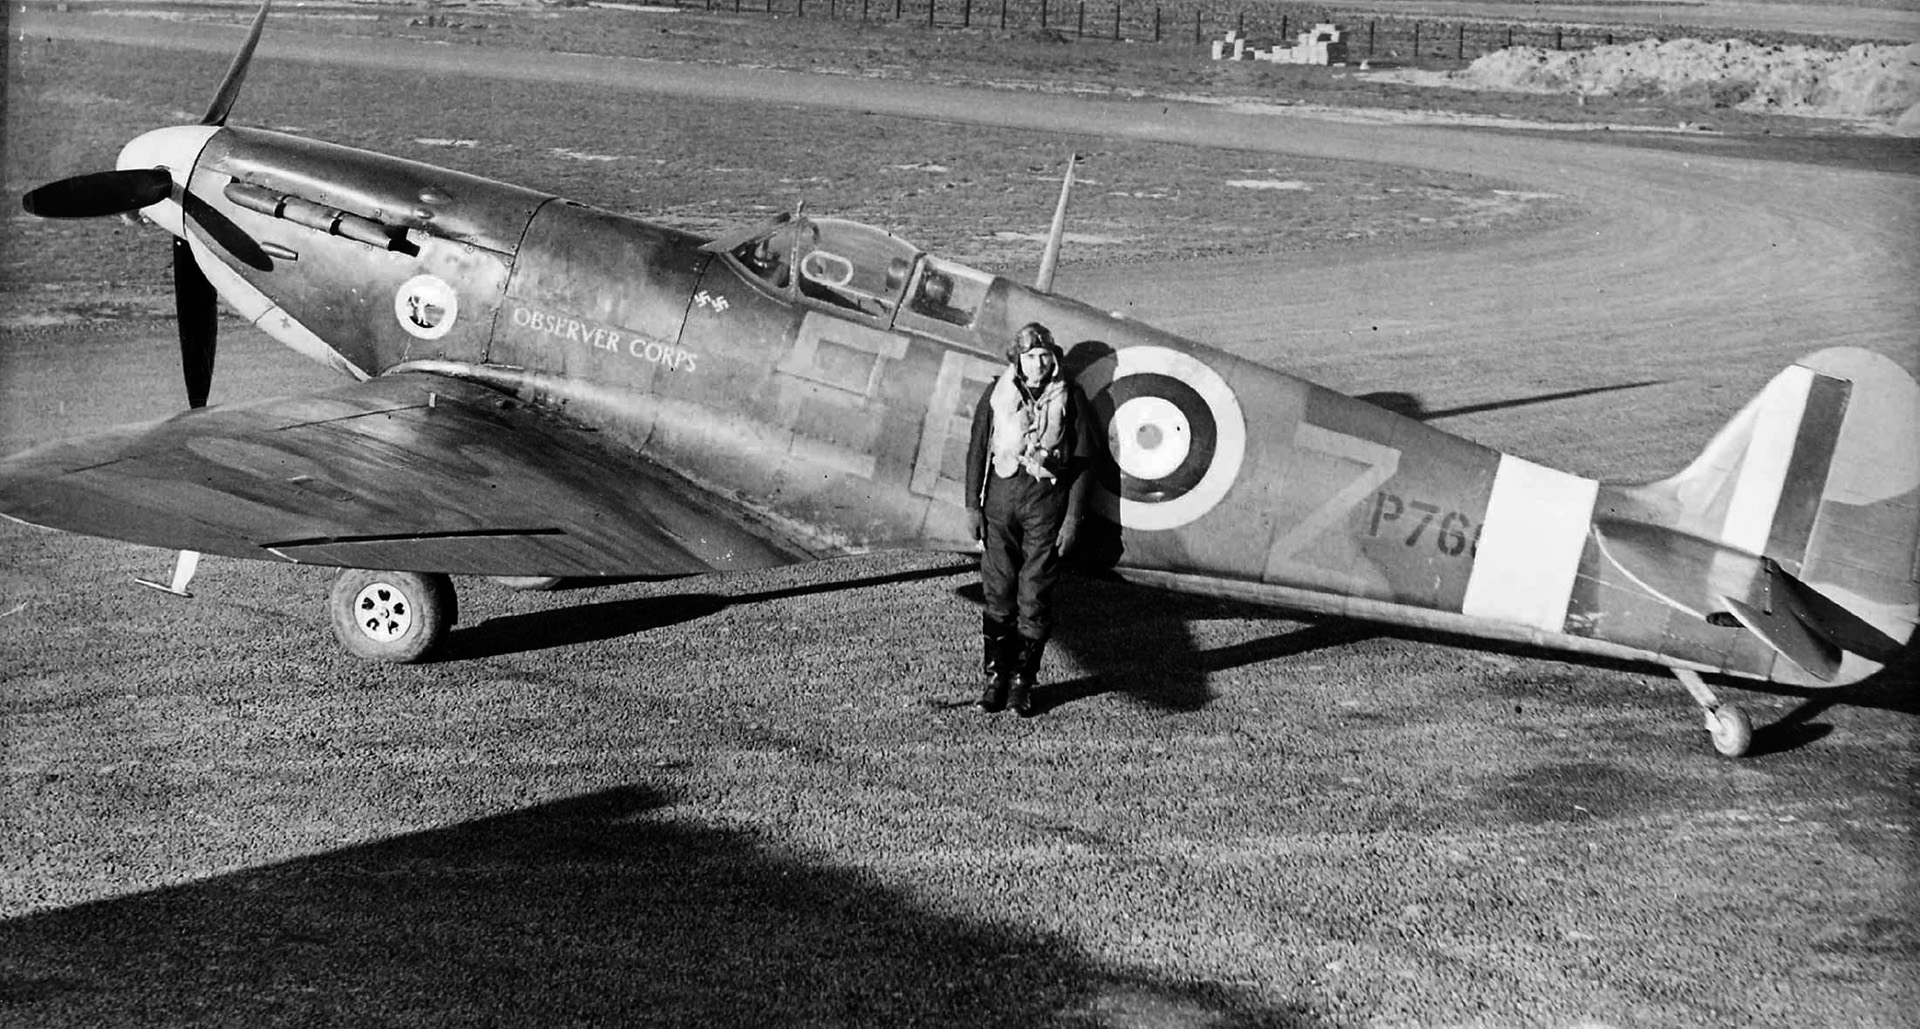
(1138, 641)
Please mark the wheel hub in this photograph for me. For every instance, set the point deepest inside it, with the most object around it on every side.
(382, 612)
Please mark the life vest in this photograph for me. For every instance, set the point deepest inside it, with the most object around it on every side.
(1027, 429)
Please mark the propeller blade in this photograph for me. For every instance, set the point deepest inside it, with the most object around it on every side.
(193, 303)
(223, 231)
(100, 193)
(236, 72)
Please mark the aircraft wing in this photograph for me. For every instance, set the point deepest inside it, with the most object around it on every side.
(413, 471)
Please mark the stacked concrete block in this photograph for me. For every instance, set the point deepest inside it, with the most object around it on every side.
(1323, 44)
(1232, 48)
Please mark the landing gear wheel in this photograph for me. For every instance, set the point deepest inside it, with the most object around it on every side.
(1731, 730)
(396, 617)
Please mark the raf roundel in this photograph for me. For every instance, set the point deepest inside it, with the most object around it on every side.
(426, 306)
(1174, 430)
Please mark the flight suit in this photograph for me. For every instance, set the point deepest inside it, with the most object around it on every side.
(1020, 558)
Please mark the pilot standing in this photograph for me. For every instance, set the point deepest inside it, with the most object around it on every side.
(1026, 449)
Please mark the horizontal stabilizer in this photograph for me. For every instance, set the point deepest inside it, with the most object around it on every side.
(1710, 580)
(1787, 632)
(1834, 622)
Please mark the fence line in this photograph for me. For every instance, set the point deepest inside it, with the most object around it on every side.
(1369, 38)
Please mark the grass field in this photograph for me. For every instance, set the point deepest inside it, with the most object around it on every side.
(977, 195)
(762, 798)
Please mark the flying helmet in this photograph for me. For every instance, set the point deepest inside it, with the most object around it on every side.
(1034, 336)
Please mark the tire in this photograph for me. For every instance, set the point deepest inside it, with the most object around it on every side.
(1732, 731)
(394, 617)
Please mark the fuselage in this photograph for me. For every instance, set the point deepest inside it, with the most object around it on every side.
(813, 373)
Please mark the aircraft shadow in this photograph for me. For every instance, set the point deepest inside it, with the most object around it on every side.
(600, 909)
(1892, 689)
(1410, 405)
(612, 619)
(571, 626)
(1138, 641)
(1174, 676)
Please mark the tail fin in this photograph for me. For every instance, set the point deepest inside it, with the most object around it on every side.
(1818, 477)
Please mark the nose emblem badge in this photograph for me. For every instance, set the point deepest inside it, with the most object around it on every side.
(426, 306)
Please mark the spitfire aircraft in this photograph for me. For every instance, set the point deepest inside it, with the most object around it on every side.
(545, 389)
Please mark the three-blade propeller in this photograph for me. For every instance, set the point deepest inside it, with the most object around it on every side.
(130, 189)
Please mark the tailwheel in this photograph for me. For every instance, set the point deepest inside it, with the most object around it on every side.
(1731, 730)
(1729, 726)
(396, 617)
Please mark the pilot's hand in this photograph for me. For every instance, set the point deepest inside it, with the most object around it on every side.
(1069, 531)
(976, 524)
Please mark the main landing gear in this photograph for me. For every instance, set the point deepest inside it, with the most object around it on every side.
(396, 617)
(1729, 726)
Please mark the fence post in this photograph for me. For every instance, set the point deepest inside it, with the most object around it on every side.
(1240, 24)
(1509, 37)
(930, 5)
(1116, 21)
(1003, 15)
(1196, 26)
(1460, 45)
(1370, 25)
(1043, 13)
(1416, 40)
(966, 14)
(1283, 30)
(1156, 23)
(799, 8)
(1556, 37)
(1080, 25)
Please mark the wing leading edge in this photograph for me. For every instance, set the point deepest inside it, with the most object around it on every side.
(412, 471)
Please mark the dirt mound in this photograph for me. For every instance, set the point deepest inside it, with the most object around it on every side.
(1872, 82)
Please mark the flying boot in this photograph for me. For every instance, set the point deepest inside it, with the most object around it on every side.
(997, 661)
(1026, 671)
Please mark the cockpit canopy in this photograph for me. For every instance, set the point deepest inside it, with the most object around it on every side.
(863, 270)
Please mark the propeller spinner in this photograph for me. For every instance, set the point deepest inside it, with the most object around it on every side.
(151, 169)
